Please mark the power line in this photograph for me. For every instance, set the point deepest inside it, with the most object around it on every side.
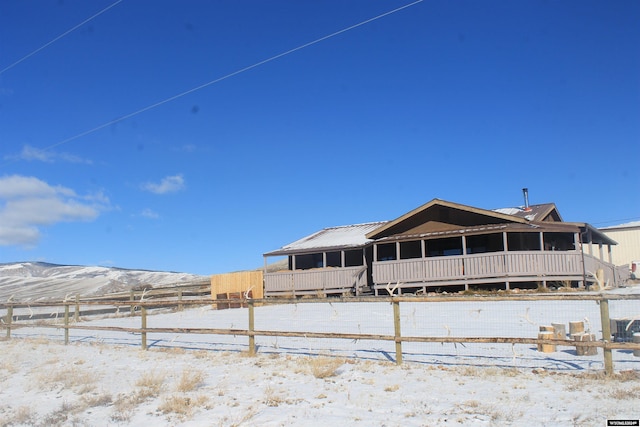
(59, 37)
(618, 221)
(235, 73)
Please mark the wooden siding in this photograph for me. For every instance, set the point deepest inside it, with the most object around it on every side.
(627, 249)
(319, 280)
(238, 282)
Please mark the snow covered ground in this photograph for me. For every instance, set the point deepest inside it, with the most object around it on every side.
(103, 378)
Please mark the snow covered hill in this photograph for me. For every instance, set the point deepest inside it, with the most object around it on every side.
(28, 281)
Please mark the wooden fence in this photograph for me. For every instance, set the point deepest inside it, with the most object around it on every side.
(142, 307)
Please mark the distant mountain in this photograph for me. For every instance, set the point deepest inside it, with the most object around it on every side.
(31, 281)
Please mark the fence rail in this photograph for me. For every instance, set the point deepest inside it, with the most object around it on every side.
(606, 343)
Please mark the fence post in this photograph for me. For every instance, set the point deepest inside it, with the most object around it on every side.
(76, 315)
(606, 335)
(252, 338)
(396, 327)
(132, 297)
(9, 320)
(66, 323)
(143, 315)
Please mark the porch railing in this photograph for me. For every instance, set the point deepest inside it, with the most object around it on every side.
(498, 265)
(328, 280)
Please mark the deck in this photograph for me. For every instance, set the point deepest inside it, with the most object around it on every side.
(316, 281)
(496, 267)
(506, 268)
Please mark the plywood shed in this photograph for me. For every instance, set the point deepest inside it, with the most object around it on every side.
(237, 283)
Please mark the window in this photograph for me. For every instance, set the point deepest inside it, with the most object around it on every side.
(386, 252)
(523, 241)
(353, 258)
(305, 262)
(410, 250)
(334, 259)
(444, 247)
(484, 243)
(558, 241)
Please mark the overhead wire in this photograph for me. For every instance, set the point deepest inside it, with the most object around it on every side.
(227, 76)
(49, 43)
(618, 221)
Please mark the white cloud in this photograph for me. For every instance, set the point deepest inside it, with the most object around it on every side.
(30, 153)
(28, 203)
(148, 213)
(169, 184)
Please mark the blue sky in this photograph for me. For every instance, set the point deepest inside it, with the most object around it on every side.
(467, 101)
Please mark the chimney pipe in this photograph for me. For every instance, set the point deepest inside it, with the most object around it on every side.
(525, 192)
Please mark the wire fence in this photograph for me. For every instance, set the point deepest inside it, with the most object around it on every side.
(550, 331)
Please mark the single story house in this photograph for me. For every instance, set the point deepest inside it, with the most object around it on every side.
(445, 246)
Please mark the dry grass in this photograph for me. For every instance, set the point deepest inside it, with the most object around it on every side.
(490, 372)
(7, 366)
(190, 380)
(172, 350)
(625, 394)
(246, 416)
(77, 379)
(183, 406)
(150, 384)
(324, 367)
(271, 398)
(23, 415)
(497, 414)
(123, 408)
(93, 401)
(622, 376)
(61, 416)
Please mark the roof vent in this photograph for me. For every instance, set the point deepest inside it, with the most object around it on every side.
(525, 192)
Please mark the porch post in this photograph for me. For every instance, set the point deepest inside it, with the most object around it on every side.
(541, 241)
(610, 254)
(324, 260)
(464, 259)
(293, 262)
(397, 250)
(590, 242)
(601, 251)
(584, 267)
(423, 249)
(343, 258)
(375, 253)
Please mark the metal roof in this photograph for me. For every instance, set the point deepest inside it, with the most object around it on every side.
(355, 236)
(347, 236)
(633, 224)
(532, 213)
